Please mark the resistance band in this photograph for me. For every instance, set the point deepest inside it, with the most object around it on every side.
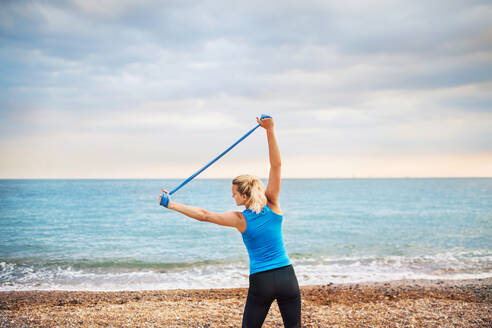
(214, 160)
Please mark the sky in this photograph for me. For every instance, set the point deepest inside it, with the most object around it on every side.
(156, 89)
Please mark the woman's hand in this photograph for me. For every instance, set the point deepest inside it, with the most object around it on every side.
(164, 202)
(266, 123)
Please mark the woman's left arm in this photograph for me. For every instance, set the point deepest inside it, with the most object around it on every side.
(272, 191)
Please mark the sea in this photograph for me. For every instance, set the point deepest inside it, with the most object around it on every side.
(108, 235)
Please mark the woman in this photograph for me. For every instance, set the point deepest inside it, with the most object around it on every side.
(271, 273)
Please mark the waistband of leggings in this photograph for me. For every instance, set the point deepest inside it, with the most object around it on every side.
(271, 270)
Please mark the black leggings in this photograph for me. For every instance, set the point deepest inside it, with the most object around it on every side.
(264, 287)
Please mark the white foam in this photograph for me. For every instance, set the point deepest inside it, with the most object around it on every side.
(310, 271)
(225, 276)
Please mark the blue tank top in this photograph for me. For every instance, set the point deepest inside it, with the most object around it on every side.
(263, 240)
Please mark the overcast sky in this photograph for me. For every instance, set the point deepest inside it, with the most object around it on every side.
(156, 89)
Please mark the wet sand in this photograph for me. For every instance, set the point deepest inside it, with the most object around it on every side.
(403, 303)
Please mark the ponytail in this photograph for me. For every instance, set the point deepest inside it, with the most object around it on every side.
(252, 187)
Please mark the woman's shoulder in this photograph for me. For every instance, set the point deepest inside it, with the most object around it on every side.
(275, 208)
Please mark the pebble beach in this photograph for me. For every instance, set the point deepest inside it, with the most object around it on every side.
(403, 303)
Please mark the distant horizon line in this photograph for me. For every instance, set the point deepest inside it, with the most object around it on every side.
(285, 178)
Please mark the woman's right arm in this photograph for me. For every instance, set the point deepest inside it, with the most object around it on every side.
(229, 219)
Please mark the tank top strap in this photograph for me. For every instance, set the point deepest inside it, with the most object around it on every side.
(249, 214)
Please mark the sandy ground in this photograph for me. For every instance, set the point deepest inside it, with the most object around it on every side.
(404, 303)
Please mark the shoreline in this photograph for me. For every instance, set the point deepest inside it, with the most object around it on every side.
(418, 303)
(406, 281)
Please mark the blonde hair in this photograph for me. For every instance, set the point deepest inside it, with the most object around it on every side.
(252, 187)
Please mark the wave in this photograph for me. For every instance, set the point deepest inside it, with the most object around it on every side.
(120, 264)
(132, 274)
(448, 265)
(22, 277)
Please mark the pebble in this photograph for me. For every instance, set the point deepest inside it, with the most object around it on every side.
(399, 304)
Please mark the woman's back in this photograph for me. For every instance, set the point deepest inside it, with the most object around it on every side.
(263, 240)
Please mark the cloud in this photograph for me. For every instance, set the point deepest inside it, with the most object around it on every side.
(347, 78)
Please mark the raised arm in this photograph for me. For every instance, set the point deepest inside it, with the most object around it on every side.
(229, 219)
(272, 191)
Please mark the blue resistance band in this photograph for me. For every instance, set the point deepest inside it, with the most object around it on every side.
(214, 160)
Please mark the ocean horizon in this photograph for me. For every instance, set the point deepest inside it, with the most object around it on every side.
(111, 234)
